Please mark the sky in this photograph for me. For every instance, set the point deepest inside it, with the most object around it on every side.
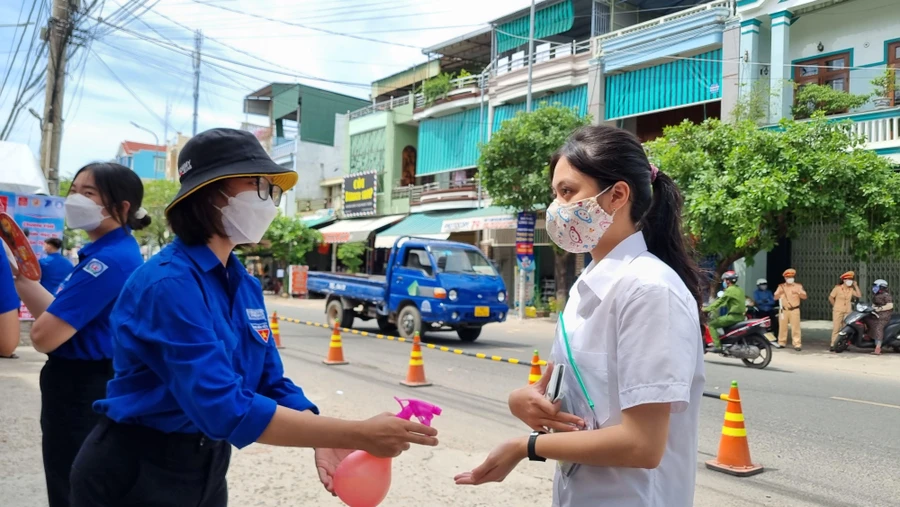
(116, 62)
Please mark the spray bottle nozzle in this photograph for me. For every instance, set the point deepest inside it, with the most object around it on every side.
(422, 410)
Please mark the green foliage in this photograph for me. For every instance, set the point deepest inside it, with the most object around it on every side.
(157, 195)
(886, 83)
(463, 73)
(71, 237)
(515, 164)
(754, 104)
(352, 255)
(814, 97)
(288, 240)
(746, 188)
(437, 87)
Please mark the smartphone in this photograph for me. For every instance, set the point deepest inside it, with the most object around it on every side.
(554, 387)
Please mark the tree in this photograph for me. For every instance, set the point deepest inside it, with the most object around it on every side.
(748, 188)
(351, 255)
(288, 240)
(71, 237)
(816, 97)
(157, 195)
(515, 164)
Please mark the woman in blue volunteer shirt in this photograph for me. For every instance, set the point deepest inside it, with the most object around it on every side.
(9, 308)
(196, 368)
(72, 327)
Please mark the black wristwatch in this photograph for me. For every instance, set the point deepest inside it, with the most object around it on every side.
(532, 456)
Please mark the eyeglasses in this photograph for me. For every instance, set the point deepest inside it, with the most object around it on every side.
(266, 190)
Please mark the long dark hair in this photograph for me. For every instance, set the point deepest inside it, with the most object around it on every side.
(117, 184)
(609, 155)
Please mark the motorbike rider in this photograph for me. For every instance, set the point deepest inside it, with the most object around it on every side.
(883, 303)
(841, 300)
(734, 300)
(765, 302)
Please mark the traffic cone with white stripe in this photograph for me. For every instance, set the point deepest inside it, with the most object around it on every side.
(535, 375)
(415, 376)
(734, 450)
(276, 331)
(335, 348)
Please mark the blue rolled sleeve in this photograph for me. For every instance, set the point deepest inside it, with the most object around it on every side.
(99, 289)
(174, 338)
(281, 389)
(9, 298)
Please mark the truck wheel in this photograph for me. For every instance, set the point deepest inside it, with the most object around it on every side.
(385, 325)
(468, 334)
(336, 313)
(409, 321)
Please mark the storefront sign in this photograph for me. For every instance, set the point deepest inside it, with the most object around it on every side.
(359, 194)
(479, 224)
(525, 241)
(297, 281)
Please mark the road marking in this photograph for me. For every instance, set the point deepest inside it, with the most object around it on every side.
(864, 402)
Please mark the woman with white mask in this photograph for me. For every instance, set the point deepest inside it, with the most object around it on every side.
(626, 432)
(196, 368)
(72, 324)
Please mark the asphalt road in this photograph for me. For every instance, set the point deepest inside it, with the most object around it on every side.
(825, 434)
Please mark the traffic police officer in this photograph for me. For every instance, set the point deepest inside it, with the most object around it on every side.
(841, 299)
(789, 296)
(9, 308)
(196, 368)
(73, 327)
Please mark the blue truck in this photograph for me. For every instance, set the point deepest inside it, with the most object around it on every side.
(429, 285)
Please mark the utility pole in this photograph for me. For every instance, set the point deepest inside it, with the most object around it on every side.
(59, 29)
(530, 57)
(198, 41)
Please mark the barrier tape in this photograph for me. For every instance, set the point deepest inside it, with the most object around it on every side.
(459, 352)
(719, 396)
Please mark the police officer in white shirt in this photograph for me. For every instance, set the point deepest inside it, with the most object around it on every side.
(630, 337)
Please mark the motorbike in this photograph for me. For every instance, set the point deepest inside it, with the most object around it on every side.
(856, 333)
(745, 341)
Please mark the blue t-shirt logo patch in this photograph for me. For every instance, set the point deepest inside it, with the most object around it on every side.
(95, 268)
(256, 314)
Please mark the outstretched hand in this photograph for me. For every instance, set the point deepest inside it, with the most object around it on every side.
(499, 463)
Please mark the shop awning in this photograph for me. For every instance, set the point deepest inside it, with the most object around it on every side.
(314, 221)
(351, 231)
(420, 225)
(492, 217)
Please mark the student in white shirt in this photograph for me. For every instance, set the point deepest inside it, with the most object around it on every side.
(633, 327)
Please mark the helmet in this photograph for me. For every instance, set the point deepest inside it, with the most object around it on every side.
(762, 281)
(730, 275)
(880, 283)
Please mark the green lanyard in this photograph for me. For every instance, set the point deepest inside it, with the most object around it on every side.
(562, 324)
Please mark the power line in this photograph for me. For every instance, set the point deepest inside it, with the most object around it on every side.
(129, 90)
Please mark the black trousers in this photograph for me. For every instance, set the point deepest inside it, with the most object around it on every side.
(123, 465)
(68, 389)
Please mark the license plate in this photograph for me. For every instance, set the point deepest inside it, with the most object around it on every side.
(482, 311)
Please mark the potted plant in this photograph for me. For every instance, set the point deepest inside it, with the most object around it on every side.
(885, 85)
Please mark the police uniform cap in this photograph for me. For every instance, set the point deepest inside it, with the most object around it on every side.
(221, 153)
(790, 272)
(849, 275)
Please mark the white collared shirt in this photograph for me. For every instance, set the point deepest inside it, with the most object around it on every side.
(634, 331)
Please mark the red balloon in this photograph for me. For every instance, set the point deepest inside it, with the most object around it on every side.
(362, 480)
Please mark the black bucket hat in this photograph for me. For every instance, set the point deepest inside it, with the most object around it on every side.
(217, 154)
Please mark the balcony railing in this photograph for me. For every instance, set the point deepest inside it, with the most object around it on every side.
(542, 53)
(284, 149)
(653, 23)
(879, 132)
(385, 105)
(458, 85)
(418, 194)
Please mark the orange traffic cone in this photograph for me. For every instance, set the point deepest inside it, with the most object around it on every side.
(734, 451)
(535, 374)
(276, 331)
(335, 349)
(415, 376)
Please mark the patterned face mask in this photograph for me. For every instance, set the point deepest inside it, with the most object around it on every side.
(577, 227)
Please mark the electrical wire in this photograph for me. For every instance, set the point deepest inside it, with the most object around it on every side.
(112, 73)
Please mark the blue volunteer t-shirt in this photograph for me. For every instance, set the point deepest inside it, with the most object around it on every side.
(86, 296)
(54, 269)
(9, 298)
(194, 351)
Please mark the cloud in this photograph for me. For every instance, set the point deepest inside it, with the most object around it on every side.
(100, 109)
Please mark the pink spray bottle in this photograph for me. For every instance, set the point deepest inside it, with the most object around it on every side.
(363, 480)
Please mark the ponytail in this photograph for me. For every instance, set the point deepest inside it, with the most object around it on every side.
(665, 237)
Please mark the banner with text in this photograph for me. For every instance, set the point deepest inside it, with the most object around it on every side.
(525, 241)
(359, 194)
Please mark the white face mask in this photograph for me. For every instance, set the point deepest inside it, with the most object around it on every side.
(848, 283)
(83, 213)
(577, 227)
(789, 280)
(246, 217)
